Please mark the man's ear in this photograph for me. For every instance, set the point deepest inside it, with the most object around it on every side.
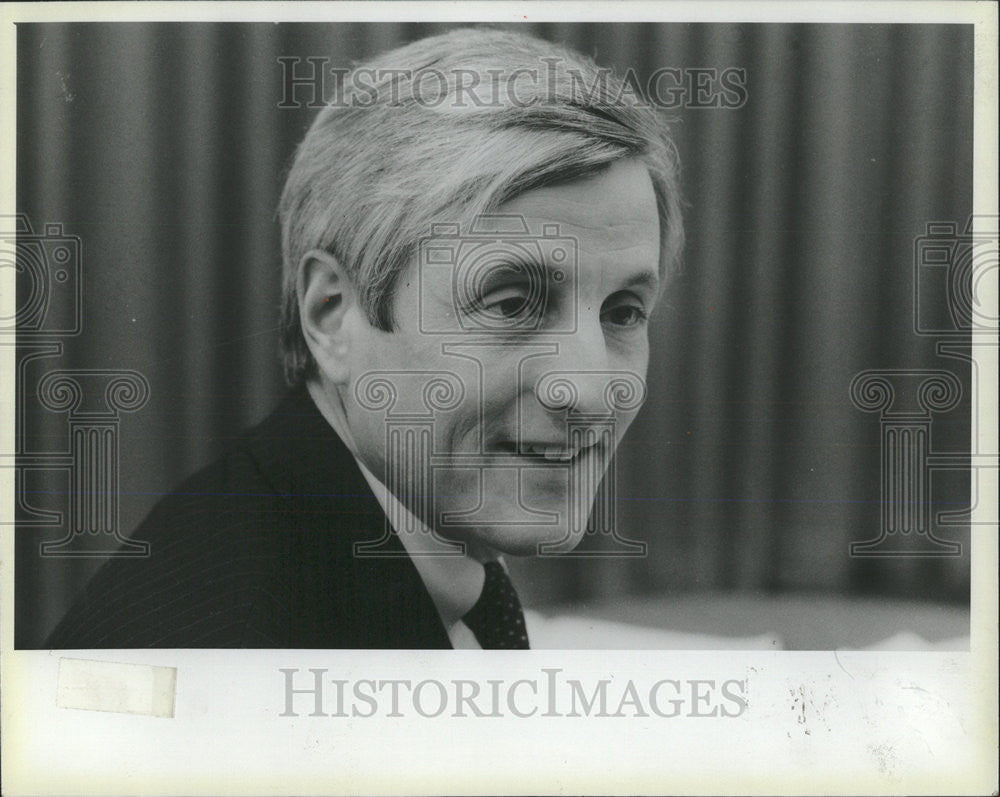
(326, 294)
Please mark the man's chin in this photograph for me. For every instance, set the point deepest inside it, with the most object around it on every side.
(518, 540)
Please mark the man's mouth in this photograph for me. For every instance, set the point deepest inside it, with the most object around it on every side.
(553, 453)
(550, 452)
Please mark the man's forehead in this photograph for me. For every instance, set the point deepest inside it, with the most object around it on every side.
(616, 200)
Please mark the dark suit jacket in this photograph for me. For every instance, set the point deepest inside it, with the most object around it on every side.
(256, 551)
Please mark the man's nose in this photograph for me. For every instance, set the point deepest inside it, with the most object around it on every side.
(578, 380)
(593, 394)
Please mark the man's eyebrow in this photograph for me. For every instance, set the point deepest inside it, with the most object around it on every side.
(642, 279)
(646, 278)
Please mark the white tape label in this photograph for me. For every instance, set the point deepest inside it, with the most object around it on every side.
(113, 686)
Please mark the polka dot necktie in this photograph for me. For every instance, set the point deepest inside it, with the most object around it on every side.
(497, 619)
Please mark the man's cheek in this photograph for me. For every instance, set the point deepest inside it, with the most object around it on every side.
(457, 431)
(456, 490)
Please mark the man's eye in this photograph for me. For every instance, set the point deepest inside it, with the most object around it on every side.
(509, 308)
(505, 304)
(624, 315)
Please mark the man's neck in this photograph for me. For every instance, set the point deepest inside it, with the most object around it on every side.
(331, 407)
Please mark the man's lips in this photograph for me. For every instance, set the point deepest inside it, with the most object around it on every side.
(553, 453)
(550, 452)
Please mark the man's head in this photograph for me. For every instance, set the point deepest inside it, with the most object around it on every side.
(482, 222)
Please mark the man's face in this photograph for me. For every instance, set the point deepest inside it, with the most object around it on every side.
(517, 362)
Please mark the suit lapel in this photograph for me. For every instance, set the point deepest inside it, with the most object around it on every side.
(366, 601)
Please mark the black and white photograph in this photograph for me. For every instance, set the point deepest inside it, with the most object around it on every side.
(393, 372)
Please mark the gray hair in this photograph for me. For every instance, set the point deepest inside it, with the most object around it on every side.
(410, 141)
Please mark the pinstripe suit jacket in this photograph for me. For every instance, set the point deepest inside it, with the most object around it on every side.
(256, 551)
